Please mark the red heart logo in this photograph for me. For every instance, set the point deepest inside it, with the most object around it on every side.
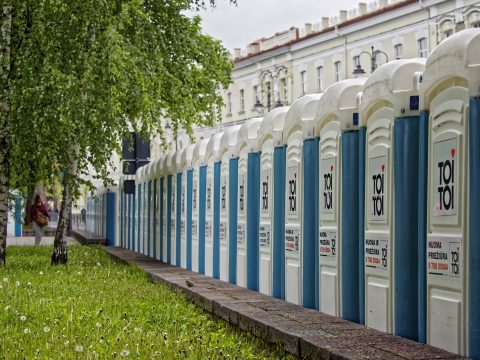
(452, 152)
(383, 168)
(331, 168)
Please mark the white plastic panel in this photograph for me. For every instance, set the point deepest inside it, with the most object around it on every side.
(195, 219)
(378, 304)
(328, 291)
(224, 213)
(209, 223)
(292, 281)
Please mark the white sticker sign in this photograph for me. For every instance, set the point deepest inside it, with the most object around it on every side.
(172, 228)
(182, 196)
(327, 188)
(264, 235)
(265, 187)
(209, 194)
(241, 194)
(241, 238)
(376, 253)
(222, 231)
(208, 228)
(445, 175)
(328, 243)
(377, 188)
(173, 194)
(291, 191)
(194, 228)
(444, 256)
(223, 194)
(182, 228)
(292, 238)
(194, 196)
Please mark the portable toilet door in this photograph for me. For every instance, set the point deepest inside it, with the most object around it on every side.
(186, 206)
(270, 255)
(143, 214)
(199, 179)
(390, 113)
(338, 102)
(150, 210)
(180, 210)
(228, 205)
(450, 92)
(157, 208)
(165, 206)
(171, 209)
(248, 194)
(136, 236)
(299, 254)
(212, 213)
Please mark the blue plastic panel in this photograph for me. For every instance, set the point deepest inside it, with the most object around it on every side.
(279, 168)
(178, 219)
(216, 219)
(169, 219)
(161, 217)
(189, 218)
(201, 221)
(253, 215)
(149, 217)
(111, 219)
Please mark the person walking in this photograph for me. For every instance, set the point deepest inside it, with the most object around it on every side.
(40, 218)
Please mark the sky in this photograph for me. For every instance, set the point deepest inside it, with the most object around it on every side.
(238, 26)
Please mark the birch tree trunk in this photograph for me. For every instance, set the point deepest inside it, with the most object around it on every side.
(4, 144)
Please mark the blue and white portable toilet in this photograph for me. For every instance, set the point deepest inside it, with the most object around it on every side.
(164, 217)
(300, 219)
(228, 205)
(212, 199)
(199, 187)
(151, 205)
(185, 166)
(136, 219)
(337, 105)
(450, 92)
(171, 207)
(390, 113)
(128, 205)
(248, 205)
(271, 269)
(180, 210)
(144, 210)
(156, 203)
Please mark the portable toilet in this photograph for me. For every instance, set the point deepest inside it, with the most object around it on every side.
(136, 242)
(228, 205)
(156, 208)
(271, 270)
(248, 204)
(199, 187)
(450, 102)
(171, 207)
(144, 210)
(180, 210)
(337, 105)
(300, 219)
(185, 166)
(212, 213)
(148, 211)
(164, 206)
(128, 213)
(390, 114)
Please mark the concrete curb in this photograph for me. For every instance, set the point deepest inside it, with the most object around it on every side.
(304, 333)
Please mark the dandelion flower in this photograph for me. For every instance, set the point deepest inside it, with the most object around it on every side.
(23, 318)
(79, 273)
(41, 272)
(124, 352)
(79, 348)
(46, 329)
(29, 284)
(99, 325)
(17, 283)
(7, 307)
(26, 331)
(5, 280)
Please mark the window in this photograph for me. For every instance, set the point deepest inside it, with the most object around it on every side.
(338, 72)
(422, 48)
(447, 33)
(229, 103)
(303, 83)
(476, 25)
(269, 96)
(283, 87)
(255, 94)
(398, 51)
(242, 100)
(379, 59)
(320, 78)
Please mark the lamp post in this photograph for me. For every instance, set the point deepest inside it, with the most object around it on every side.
(359, 71)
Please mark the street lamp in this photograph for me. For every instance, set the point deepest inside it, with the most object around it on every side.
(359, 71)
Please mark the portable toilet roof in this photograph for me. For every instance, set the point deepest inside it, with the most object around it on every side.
(199, 152)
(338, 98)
(169, 163)
(301, 115)
(156, 167)
(187, 157)
(178, 160)
(149, 171)
(455, 57)
(394, 82)
(213, 147)
(229, 141)
(272, 125)
(247, 135)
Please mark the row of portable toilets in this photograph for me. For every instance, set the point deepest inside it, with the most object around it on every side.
(362, 202)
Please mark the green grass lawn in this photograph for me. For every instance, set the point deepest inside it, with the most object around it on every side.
(96, 308)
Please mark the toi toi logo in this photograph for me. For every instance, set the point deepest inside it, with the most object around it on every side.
(328, 189)
(446, 176)
(378, 193)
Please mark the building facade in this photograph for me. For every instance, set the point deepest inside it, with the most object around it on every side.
(275, 71)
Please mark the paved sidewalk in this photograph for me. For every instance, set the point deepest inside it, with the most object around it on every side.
(303, 332)
(30, 241)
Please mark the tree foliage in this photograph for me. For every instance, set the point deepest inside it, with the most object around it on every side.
(80, 75)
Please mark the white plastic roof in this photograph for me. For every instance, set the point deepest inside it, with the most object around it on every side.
(272, 125)
(213, 147)
(229, 140)
(187, 157)
(339, 99)
(301, 113)
(200, 151)
(457, 55)
(247, 134)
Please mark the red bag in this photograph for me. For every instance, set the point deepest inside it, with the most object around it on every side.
(41, 219)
